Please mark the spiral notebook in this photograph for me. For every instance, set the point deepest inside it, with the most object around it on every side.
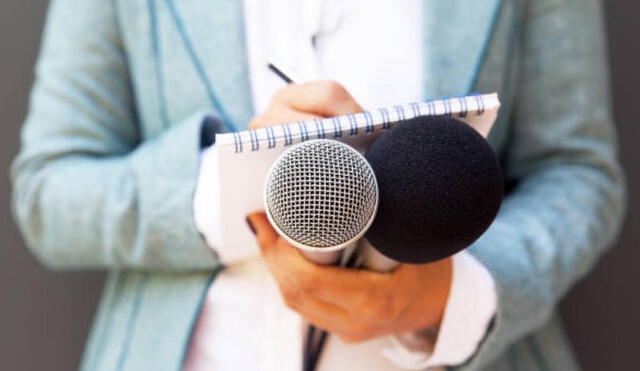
(244, 158)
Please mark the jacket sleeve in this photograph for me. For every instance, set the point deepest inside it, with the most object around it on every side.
(86, 192)
(569, 200)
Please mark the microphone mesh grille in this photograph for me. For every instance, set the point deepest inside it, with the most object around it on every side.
(321, 193)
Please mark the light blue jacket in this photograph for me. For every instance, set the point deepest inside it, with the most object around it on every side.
(109, 156)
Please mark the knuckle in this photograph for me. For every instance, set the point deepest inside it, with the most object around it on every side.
(376, 306)
(365, 308)
(306, 282)
(353, 335)
(281, 94)
(369, 311)
(335, 88)
(292, 295)
(384, 309)
(332, 92)
(357, 330)
(263, 240)
(257, 121)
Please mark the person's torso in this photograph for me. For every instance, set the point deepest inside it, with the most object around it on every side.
(184, 56)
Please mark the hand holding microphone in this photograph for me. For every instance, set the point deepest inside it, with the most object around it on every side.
(440, 189)
(353, 304)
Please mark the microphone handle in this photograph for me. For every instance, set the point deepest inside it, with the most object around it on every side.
(316, 338)
(323, 258)
(342, 257)
(373, 260)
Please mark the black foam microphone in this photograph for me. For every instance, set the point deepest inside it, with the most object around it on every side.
(440, 186)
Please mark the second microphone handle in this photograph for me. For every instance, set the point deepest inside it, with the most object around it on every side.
(371, 259)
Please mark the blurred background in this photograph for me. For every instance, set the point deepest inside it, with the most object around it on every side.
(45, 316)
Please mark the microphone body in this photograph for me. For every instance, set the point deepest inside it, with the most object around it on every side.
(321, 196)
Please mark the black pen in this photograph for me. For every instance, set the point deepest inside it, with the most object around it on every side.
(285, 73)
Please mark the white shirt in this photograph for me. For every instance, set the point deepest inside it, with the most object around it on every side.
(375, 49)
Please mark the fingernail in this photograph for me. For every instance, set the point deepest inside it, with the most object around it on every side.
(253, 229)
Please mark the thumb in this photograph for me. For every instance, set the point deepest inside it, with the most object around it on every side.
(265, 234)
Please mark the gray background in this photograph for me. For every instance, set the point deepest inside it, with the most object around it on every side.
(45, 316)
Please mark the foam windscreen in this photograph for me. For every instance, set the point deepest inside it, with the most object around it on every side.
(440, 187)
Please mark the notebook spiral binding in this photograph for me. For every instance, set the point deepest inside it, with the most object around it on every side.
(366, 122)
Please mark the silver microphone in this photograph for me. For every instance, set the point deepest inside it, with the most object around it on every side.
(321, 196)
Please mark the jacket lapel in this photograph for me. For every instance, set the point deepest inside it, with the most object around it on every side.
(456, 36)
(212, 31)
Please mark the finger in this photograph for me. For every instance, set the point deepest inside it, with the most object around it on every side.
(349, 289)
(265, 234)
(352, 289)
(325, 98)
(298, 278)
(280, 115)
(332, 318)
